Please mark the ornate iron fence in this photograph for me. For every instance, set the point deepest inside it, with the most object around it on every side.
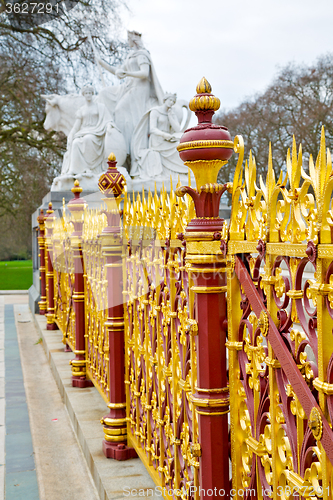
(97, 342)
(179, 318)
(63, 264)
(160, 354)
(280, 330)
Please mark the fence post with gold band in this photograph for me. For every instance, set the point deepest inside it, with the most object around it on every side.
(76, 207)
(112, 184)
(41, 243)
(205, 149)
(50, 317)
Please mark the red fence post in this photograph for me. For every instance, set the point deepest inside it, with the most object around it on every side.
(41, 243)
(205, 149)
(115, 427)
(76, 207)
(50, 318)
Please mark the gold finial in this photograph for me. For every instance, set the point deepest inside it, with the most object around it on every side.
(204, 87)
(76, 188)
(50, 210)
(112, 182)
(204, 100)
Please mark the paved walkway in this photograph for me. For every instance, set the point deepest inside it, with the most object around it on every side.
(20, 470)
(40, 458)
(17, 465)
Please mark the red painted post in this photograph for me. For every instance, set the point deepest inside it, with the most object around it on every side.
(205, 149)
(41, 243)
(115, 427)
(76, 207)
(50, 318)
(211, 397)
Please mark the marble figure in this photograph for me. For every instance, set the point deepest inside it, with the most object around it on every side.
(154, 153)
(140, 92)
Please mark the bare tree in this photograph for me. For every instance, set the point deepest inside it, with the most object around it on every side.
(65, 38)
(298, 102)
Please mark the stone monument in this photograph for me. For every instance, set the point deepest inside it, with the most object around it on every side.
(135, 120)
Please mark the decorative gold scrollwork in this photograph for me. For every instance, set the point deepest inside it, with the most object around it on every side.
(190, 451)
(263, 323)
(196, 449)
(316, 424)
(231, 262)
(192, 327)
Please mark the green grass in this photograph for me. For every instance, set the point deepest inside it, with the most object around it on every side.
(15, 275)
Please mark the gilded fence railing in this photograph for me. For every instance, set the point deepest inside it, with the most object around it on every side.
(97, 344)
(63, 265)
(160, 352)
(280, 329)
(189, 317)
(49, 271)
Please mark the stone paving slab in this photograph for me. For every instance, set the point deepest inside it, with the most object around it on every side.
(21, 485)
(86, 407)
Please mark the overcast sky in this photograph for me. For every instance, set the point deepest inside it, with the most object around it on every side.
(237, 45)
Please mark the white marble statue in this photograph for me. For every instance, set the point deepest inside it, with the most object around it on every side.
(134, 120)
(140, 92)
(154, 143)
